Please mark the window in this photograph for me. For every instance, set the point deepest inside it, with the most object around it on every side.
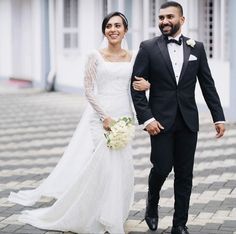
(214, 31)
(70, 24)
(206, 32)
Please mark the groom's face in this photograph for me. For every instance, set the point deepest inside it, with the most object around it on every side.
(170, 21)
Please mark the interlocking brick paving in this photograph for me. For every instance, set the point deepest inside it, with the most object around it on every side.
(36, 126)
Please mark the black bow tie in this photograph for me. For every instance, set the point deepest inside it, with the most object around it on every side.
(178, 42)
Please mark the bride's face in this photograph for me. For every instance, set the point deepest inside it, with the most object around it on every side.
(115, 30)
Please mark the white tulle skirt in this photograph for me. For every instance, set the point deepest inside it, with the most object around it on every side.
(93, 185)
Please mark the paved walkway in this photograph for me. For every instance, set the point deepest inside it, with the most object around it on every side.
(35, 127)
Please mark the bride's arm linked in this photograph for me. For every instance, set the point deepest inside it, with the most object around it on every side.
(89, 82)
(140, 84)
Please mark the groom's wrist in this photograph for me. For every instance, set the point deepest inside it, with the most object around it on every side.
(148, 122)
(219, 122)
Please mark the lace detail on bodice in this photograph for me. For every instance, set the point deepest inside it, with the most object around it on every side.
(107, 84)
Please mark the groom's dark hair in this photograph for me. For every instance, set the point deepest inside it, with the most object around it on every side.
(173, 4)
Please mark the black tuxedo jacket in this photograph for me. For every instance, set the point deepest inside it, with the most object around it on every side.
(154, 64)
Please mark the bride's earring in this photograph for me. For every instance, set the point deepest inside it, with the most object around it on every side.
(124, 43)
(104, 43)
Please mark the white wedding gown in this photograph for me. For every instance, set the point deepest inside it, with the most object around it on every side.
(92, 184)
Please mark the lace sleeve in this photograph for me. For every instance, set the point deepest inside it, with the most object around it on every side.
(89, 83)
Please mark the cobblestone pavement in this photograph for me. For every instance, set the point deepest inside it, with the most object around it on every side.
(35, 127)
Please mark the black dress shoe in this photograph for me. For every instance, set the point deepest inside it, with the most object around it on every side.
(179, 230)
(152, 223)
(151, 217)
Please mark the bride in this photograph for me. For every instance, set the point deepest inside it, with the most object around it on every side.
(93, 184)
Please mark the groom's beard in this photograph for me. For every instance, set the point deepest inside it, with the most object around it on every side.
(174, 29)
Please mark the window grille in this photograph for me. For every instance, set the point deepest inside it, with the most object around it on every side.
(206, 20)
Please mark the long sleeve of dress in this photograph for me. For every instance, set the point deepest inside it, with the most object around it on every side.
(89, 83)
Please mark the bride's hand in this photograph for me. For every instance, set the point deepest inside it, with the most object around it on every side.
(140, 84)
(107, 123)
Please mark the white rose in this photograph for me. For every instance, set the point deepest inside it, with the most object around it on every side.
(191, 42)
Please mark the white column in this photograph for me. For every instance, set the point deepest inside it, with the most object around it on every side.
(37, 43)
(5, 39)
(185, 4)
(145, 19)
(121, 6)
(231, 113)
(217, 19)
(192, 17)
(222, 28)
(137, 18)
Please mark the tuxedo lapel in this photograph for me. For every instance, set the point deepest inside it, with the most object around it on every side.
(187, 51)
(164, 51)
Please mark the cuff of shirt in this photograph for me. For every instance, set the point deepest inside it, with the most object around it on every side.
(148, 122)
(219, 122)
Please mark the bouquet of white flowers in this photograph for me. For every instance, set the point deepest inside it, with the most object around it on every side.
(121, 133)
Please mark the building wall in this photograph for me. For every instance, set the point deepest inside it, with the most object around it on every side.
(22, 37)
(68, 65)
(5, 39)
(221, 74)
(37, 43)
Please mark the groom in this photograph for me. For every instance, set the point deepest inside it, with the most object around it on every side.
(172, 63)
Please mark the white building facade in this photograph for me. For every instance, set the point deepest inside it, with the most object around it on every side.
(46, 41)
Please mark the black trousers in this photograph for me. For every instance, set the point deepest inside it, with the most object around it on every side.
(174, 148)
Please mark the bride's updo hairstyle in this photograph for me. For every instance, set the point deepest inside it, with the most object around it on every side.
(112, 14)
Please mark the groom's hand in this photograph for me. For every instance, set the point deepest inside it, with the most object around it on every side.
(154, 128)
(220, 129)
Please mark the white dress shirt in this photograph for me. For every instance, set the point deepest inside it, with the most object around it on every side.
(176, 53)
